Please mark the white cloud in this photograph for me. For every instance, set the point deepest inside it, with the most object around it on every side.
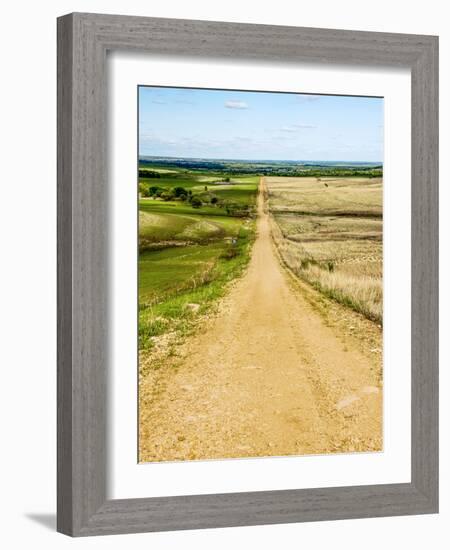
(297, 127)
(236, 104)
(307, 98)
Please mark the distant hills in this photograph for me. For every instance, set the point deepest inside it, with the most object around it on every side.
(267, 167)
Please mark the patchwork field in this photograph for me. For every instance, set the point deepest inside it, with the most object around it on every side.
(195, 235)
(329, 233)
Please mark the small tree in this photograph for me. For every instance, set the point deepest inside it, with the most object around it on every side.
(196, 202)
(149, 174)
(143, 190)
(214, 200)
(178, 191)
(167, 195)
(153, 190)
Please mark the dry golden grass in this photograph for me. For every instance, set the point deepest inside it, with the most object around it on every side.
(326, 196)
(331, 236)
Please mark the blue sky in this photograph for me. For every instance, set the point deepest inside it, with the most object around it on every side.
(201, 123)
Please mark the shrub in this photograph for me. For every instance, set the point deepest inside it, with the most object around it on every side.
(196, 202)
(143, 190)
(179, 191)
(230, 253)
(167, 195)
(306, 262)
(154, 190)
(236, 210)
(149, 174)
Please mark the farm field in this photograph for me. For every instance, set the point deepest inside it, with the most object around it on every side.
(277, 369)
(328, 231)
(195, 236)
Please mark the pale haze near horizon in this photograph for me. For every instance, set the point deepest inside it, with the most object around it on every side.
(224, 124)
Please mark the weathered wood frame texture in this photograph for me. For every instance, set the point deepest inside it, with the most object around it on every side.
(83, 41)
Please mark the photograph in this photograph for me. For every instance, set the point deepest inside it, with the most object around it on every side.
(260, 273)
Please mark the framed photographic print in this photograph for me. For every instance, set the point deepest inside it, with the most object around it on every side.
(247, 274)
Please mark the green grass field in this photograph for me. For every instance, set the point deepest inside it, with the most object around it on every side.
(178, 208)
(188, 254)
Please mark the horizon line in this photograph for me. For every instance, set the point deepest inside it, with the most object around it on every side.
(260, 160)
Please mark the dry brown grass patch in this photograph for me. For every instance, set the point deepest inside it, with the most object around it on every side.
(331, 236)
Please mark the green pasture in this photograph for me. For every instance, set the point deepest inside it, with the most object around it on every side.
(170, 270)
(188, 254)
(163, 223)
(173, 279)
(244, 194)
(241, 189)
(178, 208)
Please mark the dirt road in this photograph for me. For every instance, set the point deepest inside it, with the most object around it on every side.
(269, 375)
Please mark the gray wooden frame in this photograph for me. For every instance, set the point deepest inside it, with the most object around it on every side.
(83, 41)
